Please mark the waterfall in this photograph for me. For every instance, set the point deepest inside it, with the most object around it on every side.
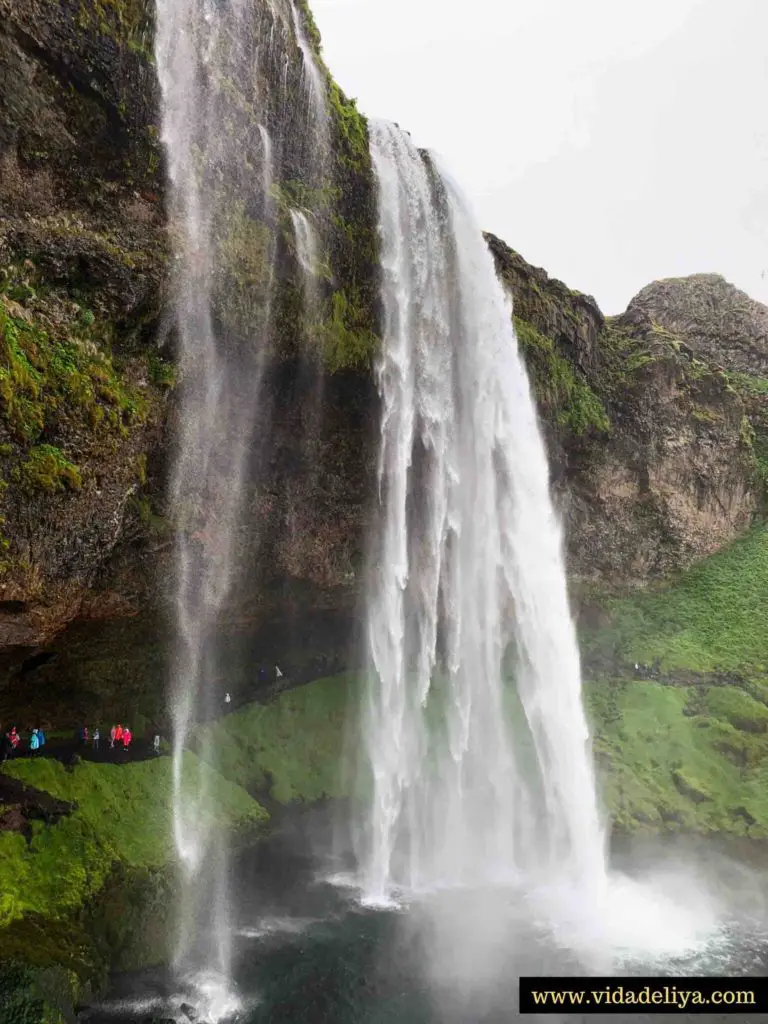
(474, 729)
(308, 257)
(227, 138)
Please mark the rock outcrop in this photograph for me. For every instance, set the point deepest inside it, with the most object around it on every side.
(655, 446)
(720, 324)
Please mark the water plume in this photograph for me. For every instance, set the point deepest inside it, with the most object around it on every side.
(476, 779)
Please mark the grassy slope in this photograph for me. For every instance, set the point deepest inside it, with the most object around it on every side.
(292, 747)
(712, 618)
(691, 751)
(123, 815)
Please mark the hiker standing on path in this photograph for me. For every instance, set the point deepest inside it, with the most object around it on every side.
(96, 738)
(34, 741)
(127, 737)
(14, 738)
(41, 737)
(156, 743)
(112, 736)
(119, 733)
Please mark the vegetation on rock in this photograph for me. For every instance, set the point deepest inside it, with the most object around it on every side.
(561, 391)
(122, 814)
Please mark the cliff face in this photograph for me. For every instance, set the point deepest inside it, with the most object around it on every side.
(720, 324)
(655, 420)
(656, 449)
(87, 399)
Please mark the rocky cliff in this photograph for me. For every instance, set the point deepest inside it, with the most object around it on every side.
(654, 420)
(656, 446)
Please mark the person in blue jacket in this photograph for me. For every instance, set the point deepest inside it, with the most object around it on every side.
(34, 741)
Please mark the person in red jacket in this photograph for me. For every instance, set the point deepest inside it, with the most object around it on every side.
(127, 737)
(119, 734)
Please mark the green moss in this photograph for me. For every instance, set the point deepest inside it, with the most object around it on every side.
(127, 22)
(161, 373)
(352, 130)
(123, 816)
(47, 469)
(243, 268)
(557, 385)
(671, 758)
(346, 335)
(291, 746)
(710, 618)
(50, 377)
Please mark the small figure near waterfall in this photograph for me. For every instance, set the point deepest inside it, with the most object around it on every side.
(278, 673)
(96, 738)
(127, 737)
(156, 743)
(227, 698)
(112, 737)
(119, 733)
(41, 737)
(34, 741)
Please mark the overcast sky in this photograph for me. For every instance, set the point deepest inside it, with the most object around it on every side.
(611, 142)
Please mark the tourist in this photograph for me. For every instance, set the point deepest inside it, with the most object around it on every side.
(112, 736)
(14, 737)
(119, 733)
(227, 699)
(34, 741)
(41, 737)
(127, 737)
(278, 673)
(96, 738)
(156, 743)
(84, 735)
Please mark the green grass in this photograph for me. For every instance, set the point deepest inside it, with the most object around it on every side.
(691, 759)
(712, 618)
(123, 816)
(293, 744)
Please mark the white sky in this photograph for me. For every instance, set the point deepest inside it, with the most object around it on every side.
(611, 142)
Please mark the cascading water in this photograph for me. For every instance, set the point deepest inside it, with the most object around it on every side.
(474, 726)
(223, 69)
(307, 254)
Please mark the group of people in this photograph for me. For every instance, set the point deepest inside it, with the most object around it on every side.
(120, 736)
(12, 741)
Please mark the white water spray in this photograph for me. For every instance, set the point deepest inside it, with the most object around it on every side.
(474, 726)
(213, 59)
(306, 243)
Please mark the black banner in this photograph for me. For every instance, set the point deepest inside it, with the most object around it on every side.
(644, 995)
